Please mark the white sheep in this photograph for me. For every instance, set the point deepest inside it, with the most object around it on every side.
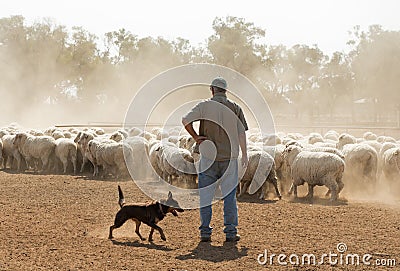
(111, 157)
(391, 164)
(57, 134)
(66, 151)
(345, 139)
(10, 152)
(140, 147)
(331, 135)
(259, 172)
(35, 148)
(82, 139)
(369, 136)
(315, 168)
(177, 162)
(134, 131)
(155, 158)
(361, 162)
(117, 136)
(314, 138)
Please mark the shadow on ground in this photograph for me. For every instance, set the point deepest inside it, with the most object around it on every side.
(206, 251)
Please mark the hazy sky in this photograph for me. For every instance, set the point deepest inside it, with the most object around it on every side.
(322, 22)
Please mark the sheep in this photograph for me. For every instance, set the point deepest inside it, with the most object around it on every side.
(271, 140)
(361, 160)
(57, 134)
(10, 152)
(369, 136)
(66, 150)
(155, 158)
(331, 135)
(82, 139)
(140, 147)
(314, 138)
(391, 164)
(35, 147)
(3, 132)
(345, 139)
(177, 162)
(111, 156)
(134, 131)
(383, 139)
(315, 168)
(117, 136)
(259, 172)
(325, 149)
(281, 167)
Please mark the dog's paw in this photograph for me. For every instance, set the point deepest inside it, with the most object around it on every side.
(163, 237)
(143, 239)
(110, 237)
(150, 239)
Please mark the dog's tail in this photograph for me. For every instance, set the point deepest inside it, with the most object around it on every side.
(121, 200)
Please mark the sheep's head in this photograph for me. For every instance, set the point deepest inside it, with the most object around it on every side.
(290, 153)
(19, 138)
(78, 136)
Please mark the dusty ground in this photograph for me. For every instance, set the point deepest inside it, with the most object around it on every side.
(50, 222)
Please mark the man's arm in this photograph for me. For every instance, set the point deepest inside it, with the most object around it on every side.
(189, 128)
(243, 147)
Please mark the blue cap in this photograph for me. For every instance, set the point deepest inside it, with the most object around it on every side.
(219, 82)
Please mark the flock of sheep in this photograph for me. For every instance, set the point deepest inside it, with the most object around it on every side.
(285, 161)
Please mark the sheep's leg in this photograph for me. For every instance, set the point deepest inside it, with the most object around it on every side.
(275, 184)
(245, 186)
(5, 158)
(45, 163)
(340, 186)
(84, 161)
(333, 186)
(74, 164)
(310, 194)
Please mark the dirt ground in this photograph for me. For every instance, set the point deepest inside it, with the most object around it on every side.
(50, 222)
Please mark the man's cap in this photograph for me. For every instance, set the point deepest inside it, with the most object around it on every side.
(219, 82)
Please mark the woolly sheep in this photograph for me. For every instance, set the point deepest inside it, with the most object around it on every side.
(10, 152)
(331, 135)
(140, 148)
(314, 138)
(391, 164)
(177, 162)
(259, 172)
(383, 139)
(369, 136)
(111, 157)
(66, 150)
(57, 134)
(35, 147)
(361, 161)
(345, 139)
(315, 168)
(117, 136)
(134, 131)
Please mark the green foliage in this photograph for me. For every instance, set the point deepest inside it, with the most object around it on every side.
(43, 60)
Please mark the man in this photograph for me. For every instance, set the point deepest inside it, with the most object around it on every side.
(222, 124)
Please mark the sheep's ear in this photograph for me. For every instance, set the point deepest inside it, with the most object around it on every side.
(170, 195)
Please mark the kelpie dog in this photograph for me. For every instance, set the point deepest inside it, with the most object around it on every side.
(149, 214)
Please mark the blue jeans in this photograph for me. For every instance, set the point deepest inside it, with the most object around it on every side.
(225, 175)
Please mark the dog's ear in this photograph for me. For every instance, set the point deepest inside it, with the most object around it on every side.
(170, 195)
